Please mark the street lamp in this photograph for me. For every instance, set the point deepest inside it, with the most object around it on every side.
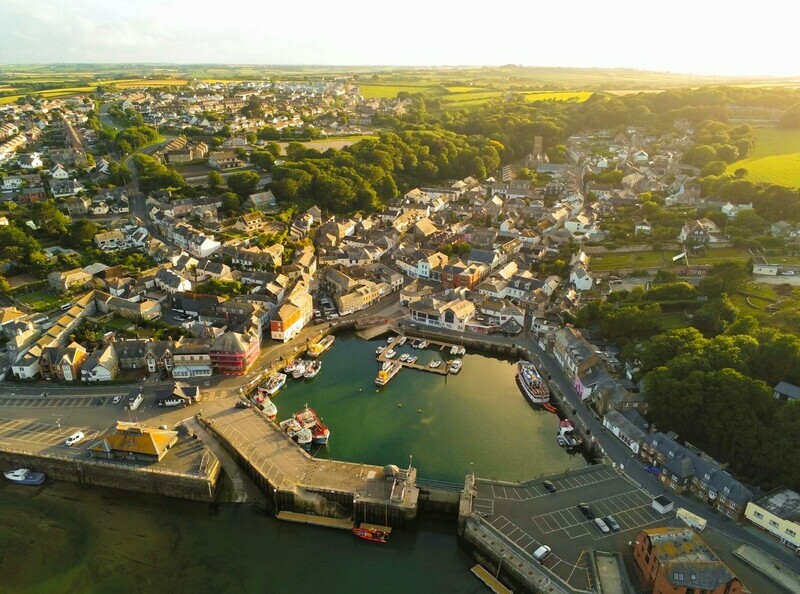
(58, 424)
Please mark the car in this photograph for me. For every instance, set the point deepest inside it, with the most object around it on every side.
(549, 487)
(163, 427)
(788, 273)
(116, 399)
(602, 526)
(612, 523)
(243, 404)
(652, 470)
(74, 438)
(586, 511)
(542, 553)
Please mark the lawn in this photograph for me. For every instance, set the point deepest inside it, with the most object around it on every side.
(715, 256)
(471, 97)
(624, 260)
(775, 159)
(579, 96)
(119, 323)
(390, 91)
(40, 300)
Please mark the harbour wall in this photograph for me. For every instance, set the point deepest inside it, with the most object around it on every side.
(151, 480)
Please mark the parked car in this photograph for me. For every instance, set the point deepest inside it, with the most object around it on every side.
(116, 399)
(243, 404)
(602, 526)
(586, 511)
(542, 553)
(788, 273)
(612, 523)
(549, 487)
(652, 470)
(75, 438)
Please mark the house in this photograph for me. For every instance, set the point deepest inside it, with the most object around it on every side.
(778, 512)
(223, 160)
(192, 358)
(581, 278)
(171, 282)
(234, 353)
(292, 314)
(180, 392)
(78, 205)
(731, 210)
(701, 231)
(640, 157)
(251, 222)
(677, 561)
(62, 364)
(64, 281)
(135, 443)
(459, 275)
(575, 355)
(261, 201)
(642, 226)
(32, 161)
(783, 229)
(101, 366)
(59, 172)
(452, 314)
(109, 240)
(67, 187)
(629, 426)
(786, 392)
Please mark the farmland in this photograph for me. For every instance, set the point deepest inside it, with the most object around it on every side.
(775, 159)
(579, 96)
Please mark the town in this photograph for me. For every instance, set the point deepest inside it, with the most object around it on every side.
(185, 243)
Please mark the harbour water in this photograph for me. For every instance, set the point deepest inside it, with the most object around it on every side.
(66, 538)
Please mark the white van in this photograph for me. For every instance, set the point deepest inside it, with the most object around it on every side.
(602, 526)
(135, 400)
(542, 553)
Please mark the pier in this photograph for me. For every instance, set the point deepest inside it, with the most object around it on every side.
(299, 483)
(443, 369)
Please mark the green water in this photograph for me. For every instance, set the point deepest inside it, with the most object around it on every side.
(64, 538)
(477, 418)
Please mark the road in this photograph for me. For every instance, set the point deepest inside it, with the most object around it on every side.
(106, 118)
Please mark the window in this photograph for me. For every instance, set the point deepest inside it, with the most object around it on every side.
(758, 515)
(727, 490)
(791, 532)
(773, 523)
(678, 576)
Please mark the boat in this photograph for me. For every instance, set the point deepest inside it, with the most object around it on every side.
(371, 534)
(309, 420)
(274, 383)
(384, 375)
(461, 350)
(435, 363)
(423, 344)
(289, 369)
(413, 359)
(454, 350)
(316, 349)
(532, 384)
(297, 432)
(415, 344)
(455, 366)
(561, 441)
(299, 368)
(566, 431)
(390, 353)
(387, 365)
(312, 369)
(266, 406)
(402, 341)
(379, 350)
(390, 339)
(23, 476)
(405, 357)
(550, 408)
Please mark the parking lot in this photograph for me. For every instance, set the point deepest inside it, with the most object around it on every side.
(24, 434)
(528, 516)
(55, 402)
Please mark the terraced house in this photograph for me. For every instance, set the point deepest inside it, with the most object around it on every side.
(234, 353)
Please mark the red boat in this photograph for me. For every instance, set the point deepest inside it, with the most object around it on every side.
(371, 534)
(549, 407)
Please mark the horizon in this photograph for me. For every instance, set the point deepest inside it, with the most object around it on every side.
(675, 39)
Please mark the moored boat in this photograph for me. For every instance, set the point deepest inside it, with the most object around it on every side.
(309, 419)
(299, 368)
(297, 432)
(379, 350)
(455, 365)
(312, 369)
(371, 534)
(402, 341)
(386, 365)
(316, 349)
(405, 357)
(454, 350)
(461, 350)
(423, 344)
(266, 406)
(384, 375)
(390, 354)
(23, 476)
(413, 359)
(550, 408)
(566, 431)
(274, 383)
(532, 384)
(435, 363)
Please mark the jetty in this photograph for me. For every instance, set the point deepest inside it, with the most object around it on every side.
(443, 369)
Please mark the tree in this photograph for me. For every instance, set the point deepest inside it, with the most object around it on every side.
(215, 180)
(725, 277)
(713, 168)
(5, 287)
(791, 117)
(48, 218)
(230, 202)
(243, 183)
(81, 233)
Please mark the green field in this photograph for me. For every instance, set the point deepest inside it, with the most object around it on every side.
(51, 93)
(775, 159)
(717, 255)
(40, 300)
(390, 91)
(620, 261)
(579, 96)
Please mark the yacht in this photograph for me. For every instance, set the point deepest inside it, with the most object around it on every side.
(435, 363)
(402, 341)
(387, 365)
(423, 344)
(390, 354)
(454, 350)
(379, 350)
(312, 369)
(455, 366)
(23, 476)
(405, 357)
(413, 359)
(532, 384)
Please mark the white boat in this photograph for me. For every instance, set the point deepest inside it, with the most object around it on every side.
(384, 375)
(316, 349)
(312, 369)
(405, 357)
(390, 354)
(402, 341)
(455, 366)
(297, 432)
(413, 359)
(319, 431)
(390, 339)
(454, 350)
(274, 383)
(387, 365)
(566, 433)
(435, 363)
(23, 476)
(423, 344)
(269, 409)
(532, 384)
(299, 368)
(379, 350)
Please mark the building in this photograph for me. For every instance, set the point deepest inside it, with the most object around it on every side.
(62, 364)
(192, 359)
(575, 355)
(233, 353)
(581, 278)
(64, 281)
(450, 314)
(677, 561)
(701, 231)
(261, 201)
(629, 426)
(113, 239)
(786, 392)
(293, 314)
(223, 160)
(101, 366)
(251, 222)
(135, 443)
(778, 512)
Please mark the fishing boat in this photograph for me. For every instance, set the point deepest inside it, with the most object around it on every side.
(435, 363)
(532, 384)
(405, 357)
(312, 369)
(371, 534)
(561, 441)
(415, 344)
(379, 350)
(274, 383)
(390, 353)
(550, 408)
(23, 476)
(297, 432)
(289, 369)
(384, 375)
(309, 420)
(266, 405)
(402, 341)
(566, 431)
(299, 368)
(316, 349)
(455, 365)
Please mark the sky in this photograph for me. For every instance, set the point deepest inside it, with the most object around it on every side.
(697, 36)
